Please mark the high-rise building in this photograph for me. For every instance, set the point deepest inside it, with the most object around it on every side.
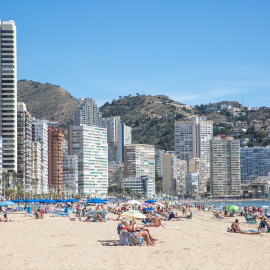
(125, 138)
(192, 139)
(40, 134)
(55, 159)
(70, 174)
(139, 161)
(199, 165)
(8, 94)
(173, 174)
(159, 161)
(24, 154)
(89, 144)
(192, 183)
(119, 135)
(1, 162)
(225, 175)
(255, 162)
(87, 113)
(36, 161)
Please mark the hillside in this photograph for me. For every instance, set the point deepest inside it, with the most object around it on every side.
(151, 117)
(47, 101)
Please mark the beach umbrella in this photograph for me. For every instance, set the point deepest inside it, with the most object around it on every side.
(60, 200)
(150, 201)
(7, 203)
(160, 204)
(148, 209)
(72, 200)
(106, 200)
(17, 200)
(133, 202)
(233, 208)
(133, 214)
(96, 200)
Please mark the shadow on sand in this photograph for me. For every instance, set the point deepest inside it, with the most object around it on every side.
(109, 243)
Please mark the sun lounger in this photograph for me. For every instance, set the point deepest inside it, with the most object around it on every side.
(134, 240)
(249, 219)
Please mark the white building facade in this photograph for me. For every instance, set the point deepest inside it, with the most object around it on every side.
(89, 144)
(8, 94)
(70, 174)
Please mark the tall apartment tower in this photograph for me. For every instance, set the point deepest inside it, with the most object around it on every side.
(139, 161)
(70, 174)
(225, 174)
(36, 161)
(87, 113)
(119, 135)
(55, 159)
(8, 94)
(40, 134)
(89, 144)
(255, 162)
(192, 139)
(174, 173)
(1, 163)
(24, 154)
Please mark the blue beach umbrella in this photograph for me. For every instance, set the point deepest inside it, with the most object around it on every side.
(7, 203)
(150, 201)
(148, 209)
(72, 200)
(17, 200)
(60, 200)
(96, 200)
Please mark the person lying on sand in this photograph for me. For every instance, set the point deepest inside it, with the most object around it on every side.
(236, 228)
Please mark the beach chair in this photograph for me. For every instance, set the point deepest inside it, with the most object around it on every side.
(249, 219)
(71, 219)
(190, 216)
(134, 240)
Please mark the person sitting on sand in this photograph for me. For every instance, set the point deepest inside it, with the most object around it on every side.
(218, 215)
(264, 225)
(236, 228)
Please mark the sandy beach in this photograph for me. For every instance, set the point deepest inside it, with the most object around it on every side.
(201, 243)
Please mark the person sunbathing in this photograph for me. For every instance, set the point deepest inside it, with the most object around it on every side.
(100, 218)
(264, 225)
(139, 233)
(142, 229)
(88, 219)
(236, 228)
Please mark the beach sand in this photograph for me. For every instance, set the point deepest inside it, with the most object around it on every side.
(200, 243)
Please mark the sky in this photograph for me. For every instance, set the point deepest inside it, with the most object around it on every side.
(194, 51)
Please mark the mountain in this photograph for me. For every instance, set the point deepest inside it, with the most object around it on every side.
(151, 117)
(47, 101)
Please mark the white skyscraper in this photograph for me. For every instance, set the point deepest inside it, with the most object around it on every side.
(87, 113)
(89, 144)
(8, 94)
(192, 140)
(119, 135)
(40, 134)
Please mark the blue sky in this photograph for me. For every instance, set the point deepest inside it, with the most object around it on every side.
(193, 51)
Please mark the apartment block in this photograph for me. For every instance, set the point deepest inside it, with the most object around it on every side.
(1, 162)
(55, 159)
(225, 174)
(8, 94)
(255, 162)
(89, 144)
(36, 163)
(159, 162)
(87, 113)
(24, 154)
(192, 183)
(192, 139)
(198, 165)
(40, 134)
(70, 174)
